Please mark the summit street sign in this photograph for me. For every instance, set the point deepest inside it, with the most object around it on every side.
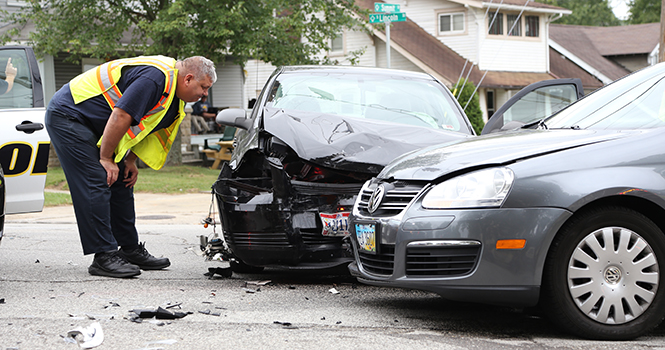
(383, 7)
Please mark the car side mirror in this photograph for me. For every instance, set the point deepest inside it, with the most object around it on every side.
(234, 117)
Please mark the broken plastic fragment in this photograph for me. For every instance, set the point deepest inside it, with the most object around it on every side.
(160, 313)
(88, 338)
(258, 283)
(333, 291)
(225, 272)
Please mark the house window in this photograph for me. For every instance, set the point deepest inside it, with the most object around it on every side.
(337, 43)
(490, 103)
(514, 25)
(451, 22)
(531, 26)
(495, 23)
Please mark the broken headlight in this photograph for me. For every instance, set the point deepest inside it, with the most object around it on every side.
(482, 188)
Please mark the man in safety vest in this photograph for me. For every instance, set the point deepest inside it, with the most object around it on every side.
(99, 123)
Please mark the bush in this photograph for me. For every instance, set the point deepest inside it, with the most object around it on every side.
(473, 111)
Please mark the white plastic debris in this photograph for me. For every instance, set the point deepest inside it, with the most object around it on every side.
(87, 338)
(333, 291)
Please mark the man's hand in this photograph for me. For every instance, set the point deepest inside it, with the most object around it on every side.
(116, 127)
(111, 170)
(131, 171)
(10, 74)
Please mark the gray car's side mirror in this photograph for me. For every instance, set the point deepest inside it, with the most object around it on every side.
(234, 117)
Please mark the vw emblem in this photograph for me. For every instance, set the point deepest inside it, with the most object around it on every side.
(376, 198)
(612, 275)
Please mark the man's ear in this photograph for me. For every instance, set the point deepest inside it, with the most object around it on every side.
(188, 79)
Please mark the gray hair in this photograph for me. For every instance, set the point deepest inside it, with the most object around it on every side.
(200, 67)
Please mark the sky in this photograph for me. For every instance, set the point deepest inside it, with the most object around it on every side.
(620, 8)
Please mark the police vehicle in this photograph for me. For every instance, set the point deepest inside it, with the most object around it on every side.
(24, 142)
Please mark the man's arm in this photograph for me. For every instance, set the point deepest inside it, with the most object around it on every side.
(118, 124)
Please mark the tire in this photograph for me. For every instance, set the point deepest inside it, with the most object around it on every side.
(603, 276)
(240, 267)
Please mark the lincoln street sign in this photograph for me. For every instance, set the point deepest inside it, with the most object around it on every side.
(383, 17)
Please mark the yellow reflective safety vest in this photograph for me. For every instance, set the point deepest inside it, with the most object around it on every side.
(151, 147)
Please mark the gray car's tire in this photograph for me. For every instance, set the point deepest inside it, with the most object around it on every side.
(603, 277)
(240, 267)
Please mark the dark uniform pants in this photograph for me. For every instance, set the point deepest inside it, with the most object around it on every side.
(105, 215)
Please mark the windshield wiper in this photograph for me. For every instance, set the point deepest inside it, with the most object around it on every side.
(540, 124)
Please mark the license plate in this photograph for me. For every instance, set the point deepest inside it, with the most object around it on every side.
(366, 235)
(336, 224)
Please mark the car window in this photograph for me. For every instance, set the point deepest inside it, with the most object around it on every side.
(401, 100)
(541, 103)
(641, 107)
(20, 96)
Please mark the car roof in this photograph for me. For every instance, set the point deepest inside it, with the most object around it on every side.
(353, 69)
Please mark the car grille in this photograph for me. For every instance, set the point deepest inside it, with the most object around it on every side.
(315, 238)
(395, 200)
(441, 261)
(379, 264)
(263, 239)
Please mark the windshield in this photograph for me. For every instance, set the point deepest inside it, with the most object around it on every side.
(634, 102)
(394, 99)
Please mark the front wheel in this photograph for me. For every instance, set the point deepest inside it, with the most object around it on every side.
(603, 275)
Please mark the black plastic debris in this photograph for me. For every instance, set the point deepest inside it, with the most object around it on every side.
(286, 325)
(2, 300)
(159, 313)
(174, 305)
(224, 272)
(111, 304)
(208, 312)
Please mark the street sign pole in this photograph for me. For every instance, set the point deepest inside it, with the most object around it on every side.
(390, 14)
(386, 20)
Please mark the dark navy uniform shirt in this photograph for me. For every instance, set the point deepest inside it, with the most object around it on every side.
(142, 88)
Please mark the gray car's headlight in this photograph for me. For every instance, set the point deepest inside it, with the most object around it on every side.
(482, 188)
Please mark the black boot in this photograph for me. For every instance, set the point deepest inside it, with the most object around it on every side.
(111, 264)
(143, 259)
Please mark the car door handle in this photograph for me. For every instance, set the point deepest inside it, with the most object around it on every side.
(29, 127)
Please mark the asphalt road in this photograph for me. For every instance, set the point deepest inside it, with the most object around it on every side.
(47, 292)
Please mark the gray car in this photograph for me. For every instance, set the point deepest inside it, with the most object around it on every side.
(567, 213)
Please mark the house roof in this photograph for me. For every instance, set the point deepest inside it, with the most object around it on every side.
(515, 4)
(594, 46)
(441, 61)
(562, 67)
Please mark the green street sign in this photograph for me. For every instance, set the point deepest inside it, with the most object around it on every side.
(383, 7)
(387, 17)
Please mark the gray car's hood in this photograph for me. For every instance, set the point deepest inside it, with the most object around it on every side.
(352, 144)
(493, 149)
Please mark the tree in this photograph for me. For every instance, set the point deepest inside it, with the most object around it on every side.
(644, 11)
(596, 13)
(277, 31)
(464, 90)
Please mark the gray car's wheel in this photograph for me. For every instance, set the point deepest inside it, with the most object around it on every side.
(603, 277)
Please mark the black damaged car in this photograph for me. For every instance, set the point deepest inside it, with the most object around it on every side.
(314, 136)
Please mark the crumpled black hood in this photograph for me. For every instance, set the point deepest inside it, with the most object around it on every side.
(352, 144)
(492, 149)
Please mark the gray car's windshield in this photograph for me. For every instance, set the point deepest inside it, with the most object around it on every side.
(387, 98)
(635, 102)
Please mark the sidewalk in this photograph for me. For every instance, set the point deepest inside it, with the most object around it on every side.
(151, 208)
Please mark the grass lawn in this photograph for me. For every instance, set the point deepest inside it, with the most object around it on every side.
(173, 179)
